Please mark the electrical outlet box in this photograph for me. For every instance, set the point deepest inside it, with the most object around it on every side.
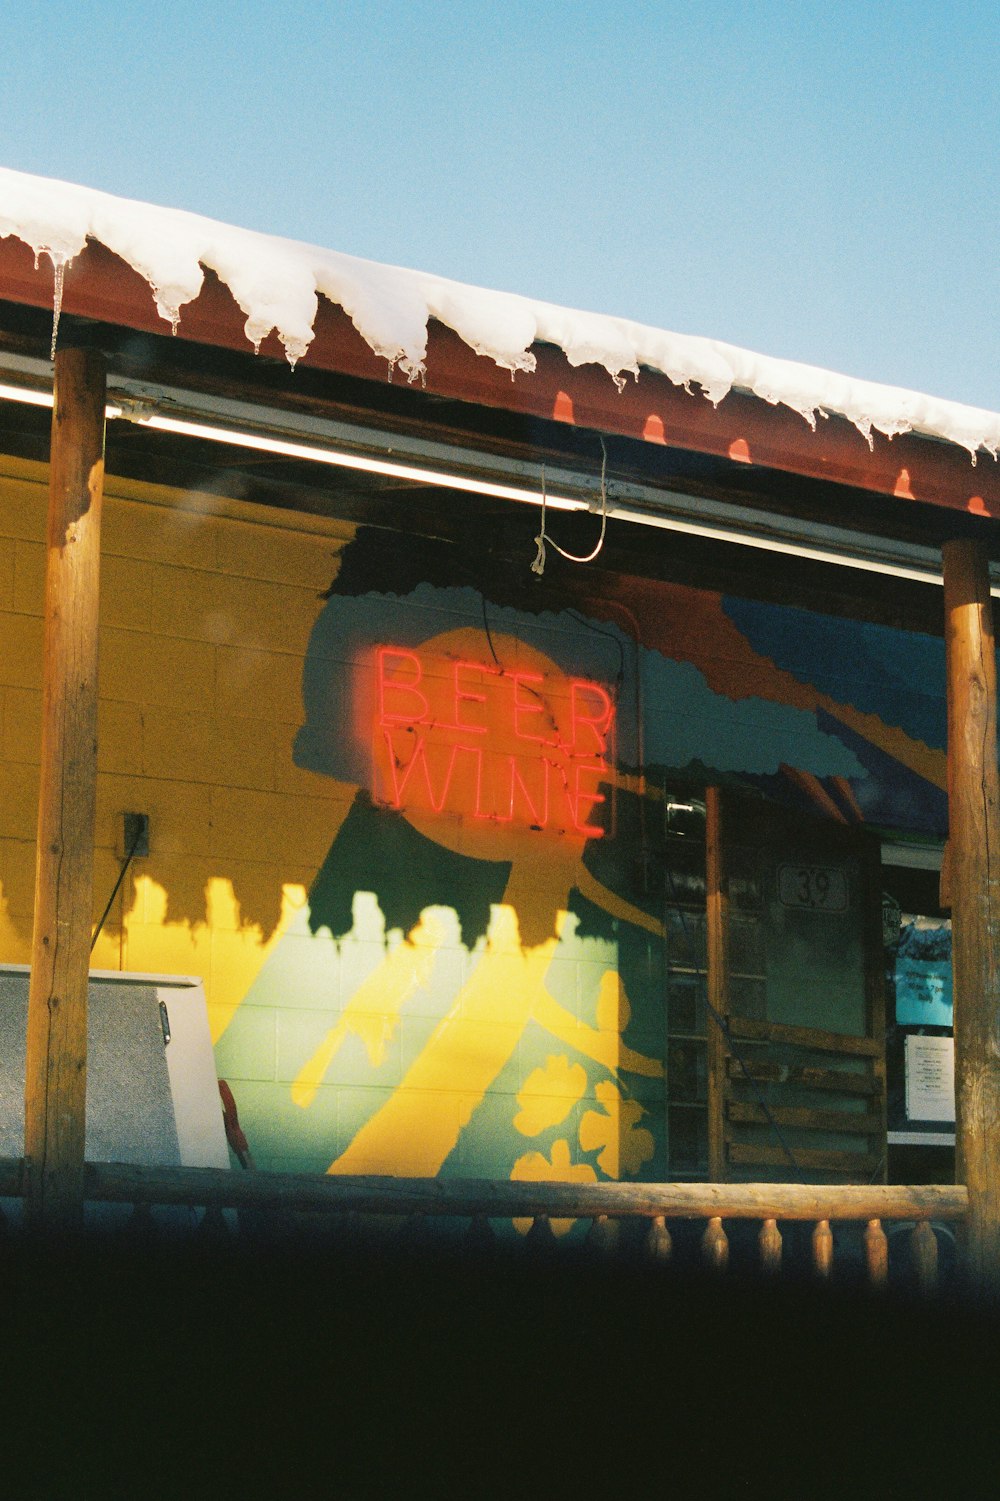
(136, 834)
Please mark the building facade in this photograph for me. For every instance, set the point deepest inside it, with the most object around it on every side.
(471, 857)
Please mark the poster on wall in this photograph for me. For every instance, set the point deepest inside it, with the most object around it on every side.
(930, 1078)
(923, 972)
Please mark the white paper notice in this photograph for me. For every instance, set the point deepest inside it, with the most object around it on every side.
(930, 1078)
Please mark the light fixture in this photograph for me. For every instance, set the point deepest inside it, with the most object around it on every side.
(388, 467)
(27, 395)
(644, 505)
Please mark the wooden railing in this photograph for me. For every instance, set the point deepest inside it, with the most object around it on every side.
(605, 1205)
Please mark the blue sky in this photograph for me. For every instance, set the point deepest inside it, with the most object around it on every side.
(814, 181)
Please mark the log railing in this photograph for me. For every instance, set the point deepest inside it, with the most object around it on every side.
(283, 1196)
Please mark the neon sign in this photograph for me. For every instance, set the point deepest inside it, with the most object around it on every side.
(514, 747)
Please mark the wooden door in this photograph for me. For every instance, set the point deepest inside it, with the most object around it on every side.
(795, 1024)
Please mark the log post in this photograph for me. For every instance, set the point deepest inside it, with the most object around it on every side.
(769, 1243)
(876, 1253)
(822, 1248)
(716, 981)
(56, 1068)
(974, 849)
(715, 1245)
(925, 1257)
(658, 1244)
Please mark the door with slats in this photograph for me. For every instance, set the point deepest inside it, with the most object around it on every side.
(795, 1023)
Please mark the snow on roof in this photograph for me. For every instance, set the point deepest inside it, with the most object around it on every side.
(277, 283)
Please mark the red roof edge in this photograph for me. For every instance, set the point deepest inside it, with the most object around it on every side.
(100, 286)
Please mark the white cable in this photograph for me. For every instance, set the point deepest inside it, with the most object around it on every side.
(538, 566)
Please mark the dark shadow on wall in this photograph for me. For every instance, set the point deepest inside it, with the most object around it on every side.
(377, 850)
(380, 562)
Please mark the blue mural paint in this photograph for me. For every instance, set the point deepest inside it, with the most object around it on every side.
(897, 675)
(686, 722)
(889, 795)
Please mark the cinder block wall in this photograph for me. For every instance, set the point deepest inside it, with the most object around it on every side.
(206, 610)
(502, 1011)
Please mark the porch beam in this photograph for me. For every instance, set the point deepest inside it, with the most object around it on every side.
(117, 1182)
(56, 1066)
(974, 851)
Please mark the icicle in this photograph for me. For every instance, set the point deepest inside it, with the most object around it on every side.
(256, 331)
(294, 349)
(37, 254)
(59, 268)
(169, 300)
(864, 427)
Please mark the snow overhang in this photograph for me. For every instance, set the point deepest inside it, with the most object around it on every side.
(66, 245)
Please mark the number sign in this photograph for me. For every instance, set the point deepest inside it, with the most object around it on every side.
(818, 888)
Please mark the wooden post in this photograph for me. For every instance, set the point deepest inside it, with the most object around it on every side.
(716, 981)
(876, 1253)
(822, 1248)
(715, 1245)
(974, 847)
(56, 1071)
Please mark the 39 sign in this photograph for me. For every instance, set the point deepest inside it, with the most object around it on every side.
(818, 888)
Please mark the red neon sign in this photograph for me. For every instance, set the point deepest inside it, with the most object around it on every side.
(473, 739)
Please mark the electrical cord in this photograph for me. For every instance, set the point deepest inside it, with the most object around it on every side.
(121, 876)
(486, 628)
(538, 566)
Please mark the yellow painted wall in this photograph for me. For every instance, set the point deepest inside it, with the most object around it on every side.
(206, 610)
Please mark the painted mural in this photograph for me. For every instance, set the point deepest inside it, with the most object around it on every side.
(474, 985)
(412, 832)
